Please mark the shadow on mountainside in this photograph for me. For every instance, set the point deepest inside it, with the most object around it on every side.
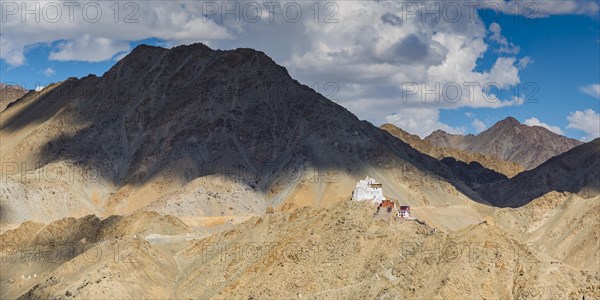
(575, 171)
(197, 112)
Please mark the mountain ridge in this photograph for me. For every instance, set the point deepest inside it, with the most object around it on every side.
(580, 167)
(509, 140)
(491, 162)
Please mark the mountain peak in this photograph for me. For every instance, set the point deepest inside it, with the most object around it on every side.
(438, 132)
(193, 65)
(510, 140)
(143, 49)
(509, 121)
(146, 53)
(143, 54)
(11, 86)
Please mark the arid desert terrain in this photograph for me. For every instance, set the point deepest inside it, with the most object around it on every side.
(198, 173)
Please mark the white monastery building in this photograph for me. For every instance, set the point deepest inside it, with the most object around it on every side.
(368, 189)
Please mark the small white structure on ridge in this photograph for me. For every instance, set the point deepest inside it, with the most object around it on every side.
(368, 189)
(404, 212)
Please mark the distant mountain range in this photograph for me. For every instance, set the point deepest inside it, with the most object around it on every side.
(488, 161)
(575, 170)
(509, 140)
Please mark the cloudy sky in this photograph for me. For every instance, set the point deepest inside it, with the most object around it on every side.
(456, 66)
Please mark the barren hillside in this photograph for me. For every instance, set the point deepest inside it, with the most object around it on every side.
(563, 225)
(340, 251)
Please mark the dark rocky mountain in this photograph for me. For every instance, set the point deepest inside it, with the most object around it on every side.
(575, 171)
(509, 140)
(472, 173)
(232, 108)
(161, 118)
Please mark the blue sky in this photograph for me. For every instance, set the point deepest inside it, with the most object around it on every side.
(565, 53)
(366, 56)
(33, 73)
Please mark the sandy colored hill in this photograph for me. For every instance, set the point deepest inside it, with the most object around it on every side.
(211, 196)
(145, 273)
(90, 229)
(368, 259)
(336, 252)
(52, 192)
(509, 140)
(562, 225)
(116, 249)
(489, 161)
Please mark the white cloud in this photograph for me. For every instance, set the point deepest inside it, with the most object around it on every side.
(49, 72)
(504, 46)
(587, 121)
(39, 88)
(592, 90)
(524, 62)
(469, 115)
(10, 53)
(371, 60)
(519, 100)
(372, 49)
(87, 48)
(421, 121)
(543, 8)
(536, 122)
(504, 73)
(478, 125)
(72, 37)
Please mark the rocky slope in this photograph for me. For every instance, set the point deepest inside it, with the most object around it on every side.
(161, 118)
(488, 161)
(575, 171)
(9, 94)
(509, 140)
(561, 224)
(108, 258)
(342, 252)
(334, 252)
